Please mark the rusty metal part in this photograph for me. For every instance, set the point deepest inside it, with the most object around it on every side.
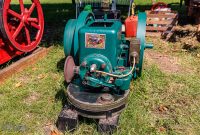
(69, 69)
(105, 99)
(134, 47)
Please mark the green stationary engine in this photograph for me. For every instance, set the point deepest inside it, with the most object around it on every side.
(99, 67)
(103, 56)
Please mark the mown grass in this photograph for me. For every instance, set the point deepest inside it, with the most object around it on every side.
(159, 103)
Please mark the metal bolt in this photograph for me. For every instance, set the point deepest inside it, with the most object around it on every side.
(106, 97)
(93, 68)
(76, 69)
(84, 64)
(103, 66)
(134, 54)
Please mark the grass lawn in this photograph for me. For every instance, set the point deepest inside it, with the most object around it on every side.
(164, 101)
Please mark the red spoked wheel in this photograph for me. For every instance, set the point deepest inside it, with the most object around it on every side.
(159, 5)
(22, 25)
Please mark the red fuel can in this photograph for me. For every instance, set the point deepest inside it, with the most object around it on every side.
(131, 26)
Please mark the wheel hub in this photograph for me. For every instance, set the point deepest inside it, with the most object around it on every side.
(25, 16)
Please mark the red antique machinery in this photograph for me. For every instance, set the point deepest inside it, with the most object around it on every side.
(159, 6)
(21, 27)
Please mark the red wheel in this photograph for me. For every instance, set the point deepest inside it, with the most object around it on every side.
(159, 5)
(21, 25)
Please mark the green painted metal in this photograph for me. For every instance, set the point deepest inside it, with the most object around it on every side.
(113, 54)
(98, 60)
(111, 31)
(68, 37)
(94, 82)
(148, 45)
(86, 17)
(88, 8)
(100, 44)
(141, 31)
(124, 84)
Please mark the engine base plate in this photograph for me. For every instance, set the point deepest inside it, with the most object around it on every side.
(96, 105)
(99, 104)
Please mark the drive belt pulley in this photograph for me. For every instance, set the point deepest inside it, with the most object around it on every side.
(68, 37)
(71, 36)
(141, 31)
(84, 18)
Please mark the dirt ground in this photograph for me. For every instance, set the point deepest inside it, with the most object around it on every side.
(184, 39)
(166, 63)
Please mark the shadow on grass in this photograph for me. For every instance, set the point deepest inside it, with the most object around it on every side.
(56, 17)
(60, 65)
(61, 96)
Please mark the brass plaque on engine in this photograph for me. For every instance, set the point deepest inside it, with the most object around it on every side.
(94, 40)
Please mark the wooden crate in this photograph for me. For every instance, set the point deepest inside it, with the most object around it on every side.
(161, 23)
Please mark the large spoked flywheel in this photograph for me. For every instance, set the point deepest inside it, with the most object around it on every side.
(21, 24)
